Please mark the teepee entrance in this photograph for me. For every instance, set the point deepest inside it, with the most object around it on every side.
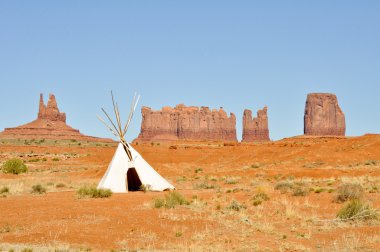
(133, 180)
(128, 171)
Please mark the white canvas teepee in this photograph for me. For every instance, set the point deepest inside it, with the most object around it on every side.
(128, 170)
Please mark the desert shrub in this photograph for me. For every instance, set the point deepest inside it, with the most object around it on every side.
(60, 185)
(357, 210)
(349, 192)
(255, 165)
(175, 198)
(55, 159)
(178, 234)
(197, 170)
(371, 162)
(38, 189)
(145, 188)
(172, 199)
(259, 198)
(93, 192)
(231, 181)
(158, 203)
(4, 189)
(204, 185)
(236, 206)
(284, 186)
(14, 166)
(319, 190)
(300, 191)
(34, 160)
(313, 165)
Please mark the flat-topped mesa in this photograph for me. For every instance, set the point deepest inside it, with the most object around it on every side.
(255, 129)
(323, 116)
(187, 123)
(51, 111)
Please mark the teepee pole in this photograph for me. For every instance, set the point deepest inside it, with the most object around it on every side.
(113, 132)
(129, 154)
(116, 114)
(131, 114)
(109, 118)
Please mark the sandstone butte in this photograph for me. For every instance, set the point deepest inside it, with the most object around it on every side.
(323, 116)
(50, 124)
(188, 124)
(255, 129)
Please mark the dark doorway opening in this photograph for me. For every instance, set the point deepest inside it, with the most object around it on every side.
(133, 180)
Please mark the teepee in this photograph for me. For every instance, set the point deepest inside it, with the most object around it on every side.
(128, 171)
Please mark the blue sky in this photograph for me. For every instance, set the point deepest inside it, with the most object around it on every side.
(231, 54)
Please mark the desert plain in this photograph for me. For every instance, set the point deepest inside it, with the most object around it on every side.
(299, 178)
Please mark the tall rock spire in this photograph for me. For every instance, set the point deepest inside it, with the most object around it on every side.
(51, 111)
(255, 129)
(42, 107)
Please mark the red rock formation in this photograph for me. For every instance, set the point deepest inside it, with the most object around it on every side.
(187, 123)
(51, 111)
(255, 129)
(323, 116)
(50, 124)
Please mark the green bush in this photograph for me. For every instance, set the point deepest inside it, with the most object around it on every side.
(301, 191)
(175, 198)
(255, 165)
(319, 190)
(236, 206)
(284, 186)
(349, 192)
(198, 170)
(357, 210)
(178, 234)
(93, 192)
(4, 189)
(60, 185)
(38, 189)
(371, 162)
(14, 166)
(230, 181)
(145, 188)
(158, 203)
(259, 198)
(171, 200)
(204, 185)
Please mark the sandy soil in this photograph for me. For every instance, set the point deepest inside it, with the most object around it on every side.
(213, 177)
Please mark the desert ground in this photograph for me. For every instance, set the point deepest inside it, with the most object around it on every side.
(299, 176)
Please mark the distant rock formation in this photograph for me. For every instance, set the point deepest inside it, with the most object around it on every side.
(50, 124)
(187, 123)
(51, 111)
(323, 116)
(255, 129)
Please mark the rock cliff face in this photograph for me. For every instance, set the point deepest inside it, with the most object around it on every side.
(50, 124)
(187, 123)
(323, 116)
(255, 129)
